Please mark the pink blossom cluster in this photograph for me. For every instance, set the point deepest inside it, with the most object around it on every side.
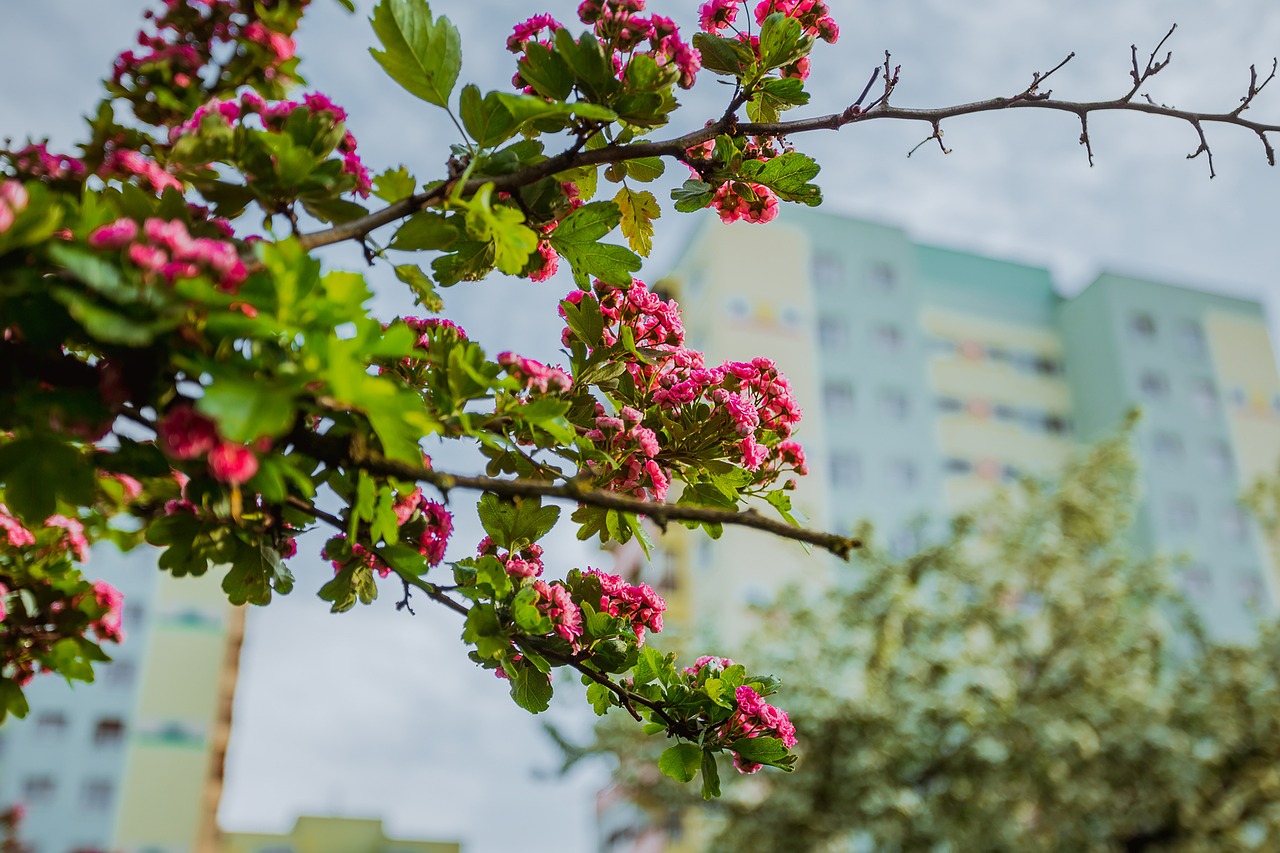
(189, 32)
(110, 626)
(13, 200)
(18, 535)
(556, 604)
(634, 448)
(36, 161)
(73, 538)
(184, 433)
(429, 327)
(754, 398)
(437, 523)
(4, 592)
(165, 248)
(715, 663)
(535, 376)
(619, 24)
(738, 200)
(530, 30)
(754, 718)
(124, 164)
(273, 115)
(525, 563)
(814, 16)
(637, 603)
(546, 261)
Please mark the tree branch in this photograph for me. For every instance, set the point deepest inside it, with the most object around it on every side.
(335, 452)
(1031, 97)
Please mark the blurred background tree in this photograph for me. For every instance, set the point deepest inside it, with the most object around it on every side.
(1026, 684)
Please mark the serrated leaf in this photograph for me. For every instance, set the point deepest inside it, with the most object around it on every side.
(394, 184)
(645, 169)
(513, 241)
(530, 688)
(721, 55)
(426, 230)
(638, 212)
(247, 408)
(710, 775)
(421, 54)
(681, 762)
(577, 239)
(692, 195)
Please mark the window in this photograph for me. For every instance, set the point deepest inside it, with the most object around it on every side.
(1056, 424)
(1218, 459)
(894, 404)
(1235, 524)
(882, 278)
(1046, 366)
(1190, 338)
(904, 543)
(38, 789)
(1251, 587)
(837, 397)
(956, 466)
(1181, 513)
(1154, 385)
(792, 317)
(1142, 326)
(888, 339)
(903, 473)
(846, 470)
(1204, 397)
(828, 270)
(134, 614)
(108, 732)
(97, 794)
(737, 308)
(1197, 583)
(120, 673)
(833, 333)
(951, 405)
(1002, 412)
(1167, 446)
(52, 724)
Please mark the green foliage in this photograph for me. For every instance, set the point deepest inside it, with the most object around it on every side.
(421, 53)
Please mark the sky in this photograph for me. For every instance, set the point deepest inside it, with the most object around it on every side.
(375, 713)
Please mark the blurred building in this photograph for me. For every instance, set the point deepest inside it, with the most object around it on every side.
(133, 762)
(929, 376)
(331, 835)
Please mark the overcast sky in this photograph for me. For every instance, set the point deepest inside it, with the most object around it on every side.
(375, 713)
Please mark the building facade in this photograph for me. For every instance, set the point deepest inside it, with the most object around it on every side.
(132, 762)
(331, 835)
(930, 376)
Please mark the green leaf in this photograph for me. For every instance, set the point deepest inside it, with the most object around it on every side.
(723, 56)
(681, 762)
(577, 239)
(483, 629)
(12, 700)
(471, 260)
(599, 697)
(782, 41)
(247, 408)
(37, 472)
(530, 688)
(424, 289)
(788, 175)
(546, 71)
(394, 184)
(524, 609)
(710, 775)
(503, 226)
(514, 522)
(692, 195)
(426, 231)
(762, 750)
(645, 169)
(106, 325)
(774, 96)
(638, 212)
(422, 55)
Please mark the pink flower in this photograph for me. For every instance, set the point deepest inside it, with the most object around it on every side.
(715, 15)
(526, 32)
(232, 463)
(18, 536)
(638, 603)
(556, 604)
(435, 538)
(114, 235)
(110, 626)
(74, 540)
(186, 434)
